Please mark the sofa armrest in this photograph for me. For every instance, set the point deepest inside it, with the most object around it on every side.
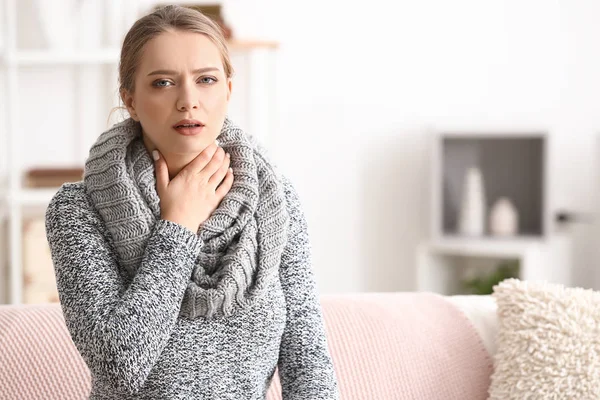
(481, 311)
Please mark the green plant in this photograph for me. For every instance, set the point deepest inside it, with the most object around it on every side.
(485, 284)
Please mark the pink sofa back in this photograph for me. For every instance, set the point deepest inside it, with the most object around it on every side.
(384, 346)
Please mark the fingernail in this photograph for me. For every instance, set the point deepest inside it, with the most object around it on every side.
(216, 142)
(228, 155)
(231, 170)
(155, 155)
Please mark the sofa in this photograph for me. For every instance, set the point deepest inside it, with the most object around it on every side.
(405, 345)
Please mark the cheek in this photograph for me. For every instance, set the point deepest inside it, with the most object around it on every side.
(152, 104)
(216, 101)
(149, 103)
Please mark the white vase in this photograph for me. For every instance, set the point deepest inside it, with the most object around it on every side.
(504, 218)
(471, 220)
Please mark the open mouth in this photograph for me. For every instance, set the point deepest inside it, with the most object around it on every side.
(188, 126)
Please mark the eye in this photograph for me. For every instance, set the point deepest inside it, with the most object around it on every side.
(161, 83)
(208, 80)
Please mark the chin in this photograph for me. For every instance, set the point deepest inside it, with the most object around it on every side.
(188, 149)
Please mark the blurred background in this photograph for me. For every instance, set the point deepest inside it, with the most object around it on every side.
(436, 145)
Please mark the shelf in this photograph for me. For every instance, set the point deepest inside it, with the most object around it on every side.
(55, 57)
(104, 56)
(496, 134)
(486, 247)
(511, 165)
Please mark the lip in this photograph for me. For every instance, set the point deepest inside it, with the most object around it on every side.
(188, 122)
(189, 131)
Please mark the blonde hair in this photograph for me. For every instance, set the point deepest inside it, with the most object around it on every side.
(165, 19)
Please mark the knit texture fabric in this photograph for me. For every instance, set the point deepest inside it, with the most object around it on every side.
(129, 326)
(240, 244)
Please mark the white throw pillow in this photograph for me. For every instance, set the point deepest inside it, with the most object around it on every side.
(548, 344)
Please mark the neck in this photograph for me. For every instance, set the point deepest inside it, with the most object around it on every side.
(175, 162)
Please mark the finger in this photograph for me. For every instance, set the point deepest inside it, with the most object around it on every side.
(162, 172)
(214, 164)
(225, 186)
(201, 160)
(218, 176)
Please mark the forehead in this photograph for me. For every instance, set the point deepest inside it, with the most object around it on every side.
(180, 51)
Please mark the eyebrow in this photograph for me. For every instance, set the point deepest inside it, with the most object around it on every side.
(171, 72)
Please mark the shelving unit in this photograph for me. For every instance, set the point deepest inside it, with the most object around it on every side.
(442, 263)
(514, 163)
(17, 201)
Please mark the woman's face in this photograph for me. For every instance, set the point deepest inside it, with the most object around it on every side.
(180, 76)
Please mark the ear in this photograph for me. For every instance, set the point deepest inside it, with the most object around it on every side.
(129, 103)
(228, 88)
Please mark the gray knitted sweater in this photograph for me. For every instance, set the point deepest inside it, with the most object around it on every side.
(136, 344)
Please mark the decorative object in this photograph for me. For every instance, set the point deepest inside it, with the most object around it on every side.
(483, 284)
(548, 342)
(471, 221)
(504, 219)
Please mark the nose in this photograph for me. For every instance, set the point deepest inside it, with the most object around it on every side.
(188, 99)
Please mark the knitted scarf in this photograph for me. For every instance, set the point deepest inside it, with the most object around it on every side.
(242, 241)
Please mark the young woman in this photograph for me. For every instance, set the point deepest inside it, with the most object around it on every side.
(183, 263)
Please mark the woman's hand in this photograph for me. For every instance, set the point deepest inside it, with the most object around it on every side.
(197, 190)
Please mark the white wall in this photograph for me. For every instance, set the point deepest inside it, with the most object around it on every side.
(360, 85)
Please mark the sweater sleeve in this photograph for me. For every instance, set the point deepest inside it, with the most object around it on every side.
(305, 365)
(120, 328)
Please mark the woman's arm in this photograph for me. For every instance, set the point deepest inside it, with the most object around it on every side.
(119, 330)
(305, 365)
